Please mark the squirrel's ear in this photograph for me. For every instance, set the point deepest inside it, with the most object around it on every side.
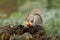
(26, 17)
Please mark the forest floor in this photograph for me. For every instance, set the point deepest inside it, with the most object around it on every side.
(19, 32)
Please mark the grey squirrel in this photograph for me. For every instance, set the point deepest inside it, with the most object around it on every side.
(35, 18)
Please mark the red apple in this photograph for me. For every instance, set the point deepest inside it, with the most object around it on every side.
(28, 23)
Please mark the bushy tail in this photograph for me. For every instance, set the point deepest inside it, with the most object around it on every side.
(37, 11)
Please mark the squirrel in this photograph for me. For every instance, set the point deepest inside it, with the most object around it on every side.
(35, 18)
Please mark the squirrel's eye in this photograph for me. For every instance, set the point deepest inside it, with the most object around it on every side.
(32, 21)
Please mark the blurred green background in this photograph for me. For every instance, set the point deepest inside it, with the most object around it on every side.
(14, 11)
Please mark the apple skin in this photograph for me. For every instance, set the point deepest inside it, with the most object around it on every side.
(28, 24)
